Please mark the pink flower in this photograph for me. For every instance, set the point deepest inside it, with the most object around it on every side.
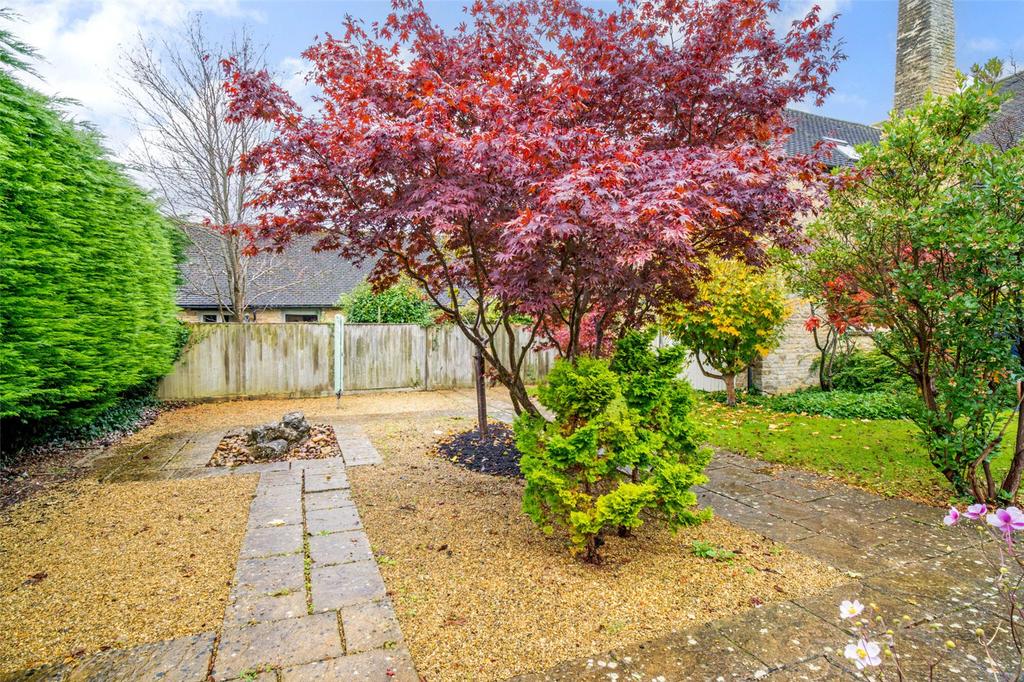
(1007, 520)
(952, 517)
(975, 511)
(863, 653)
(850, 609)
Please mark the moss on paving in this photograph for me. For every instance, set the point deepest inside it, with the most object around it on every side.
(884, 456)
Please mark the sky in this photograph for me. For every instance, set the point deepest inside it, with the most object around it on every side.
(82, 40)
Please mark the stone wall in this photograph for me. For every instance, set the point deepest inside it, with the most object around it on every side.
(791, 365)
(925, 57)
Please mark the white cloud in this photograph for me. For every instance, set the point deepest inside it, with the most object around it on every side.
(291, 75)
(81, 42)
(792, 10)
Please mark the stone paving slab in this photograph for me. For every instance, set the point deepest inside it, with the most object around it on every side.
(368, 626)
(269, 516)
(269, 540)
(381, 665)
(337, 520)
(277, 644)
(250, 607)
(343, 585)
(782, 634)
(185, 659)
(320, 482)
(331, 499)
(356, 448)
(339, 548)
(693, 656)
(269, 574)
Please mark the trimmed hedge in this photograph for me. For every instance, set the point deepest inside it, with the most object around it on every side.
(87, 271)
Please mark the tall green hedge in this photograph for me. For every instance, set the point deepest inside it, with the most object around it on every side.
(87, 270)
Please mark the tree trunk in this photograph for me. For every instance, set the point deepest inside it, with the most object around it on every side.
(1011, 483)
(730, 389)
(481, 394)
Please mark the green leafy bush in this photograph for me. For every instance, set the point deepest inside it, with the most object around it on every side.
(87, 272)
(706, 550)
(862, 371)
(398, 304)
(838, 404)
(622, 446)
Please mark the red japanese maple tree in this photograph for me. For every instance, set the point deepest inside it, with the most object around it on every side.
(545, 160)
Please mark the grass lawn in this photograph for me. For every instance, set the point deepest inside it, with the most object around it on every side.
(881, 455)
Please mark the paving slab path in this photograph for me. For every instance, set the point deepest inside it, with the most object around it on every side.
(307, 602)
(934, 583)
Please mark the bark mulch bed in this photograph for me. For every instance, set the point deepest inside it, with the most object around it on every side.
(90, 566)
(482, 594)
(233, 451)
(495, 454)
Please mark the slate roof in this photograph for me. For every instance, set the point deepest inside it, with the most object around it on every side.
(1008, 127)
(296, 278)
(809, 129)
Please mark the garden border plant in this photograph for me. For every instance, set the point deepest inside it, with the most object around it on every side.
(623, 446)
(922, 249)
(878, 641)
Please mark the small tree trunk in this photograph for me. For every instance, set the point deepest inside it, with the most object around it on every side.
(730, 389)
(1011, 483)
(481, 394)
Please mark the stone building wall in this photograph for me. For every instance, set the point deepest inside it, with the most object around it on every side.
(791, 365)
(925, 51)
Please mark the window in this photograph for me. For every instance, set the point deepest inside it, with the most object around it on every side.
(209, 318)
(301, 317)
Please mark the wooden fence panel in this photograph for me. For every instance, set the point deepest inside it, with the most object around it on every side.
(449, 357)
(242, 360)
(383, 356)
(296, 359)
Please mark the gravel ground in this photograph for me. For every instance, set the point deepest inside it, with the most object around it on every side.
(227, 415)
(481, 594)
(89, 566)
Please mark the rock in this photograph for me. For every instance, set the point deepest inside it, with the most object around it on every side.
(297, 422)
(263, 434)
(270, 450)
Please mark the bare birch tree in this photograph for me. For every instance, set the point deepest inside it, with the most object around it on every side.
(174, 89)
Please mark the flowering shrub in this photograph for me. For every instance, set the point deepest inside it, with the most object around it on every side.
(876, 641)
(623, 446)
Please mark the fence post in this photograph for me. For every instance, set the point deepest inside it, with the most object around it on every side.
(339, 355)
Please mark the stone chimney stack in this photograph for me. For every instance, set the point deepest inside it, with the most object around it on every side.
(925, 56)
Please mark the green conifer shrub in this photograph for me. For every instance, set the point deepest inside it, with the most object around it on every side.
(87, 271)
(622, 448)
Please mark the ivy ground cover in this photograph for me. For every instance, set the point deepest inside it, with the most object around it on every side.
(884, 456)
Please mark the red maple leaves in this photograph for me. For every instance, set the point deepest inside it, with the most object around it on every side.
(548, 158)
